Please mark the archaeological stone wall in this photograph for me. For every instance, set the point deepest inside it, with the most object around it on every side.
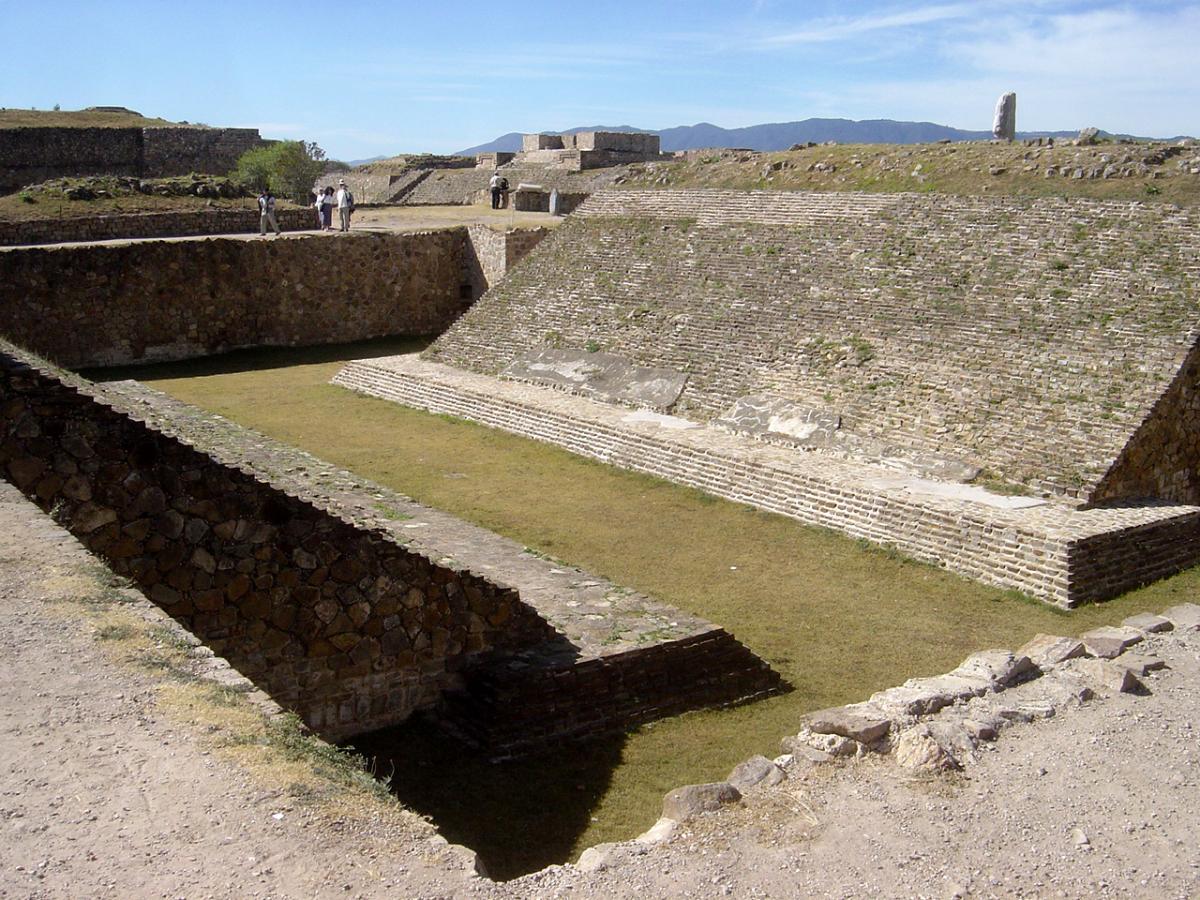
(1031, 338)
(148, 225)
(493, 253)
(32, 155)
(340, 623)
(177, 151)
(125, 303)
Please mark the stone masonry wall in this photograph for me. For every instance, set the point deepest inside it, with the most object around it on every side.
(177, 151)
(1163, 457)
(1029, 337)
(32, 155)
(340, 623)
(495, 252)
(124, 303)
(148, 225)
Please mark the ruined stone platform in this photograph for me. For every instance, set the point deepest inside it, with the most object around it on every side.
(1050, 549)
(619, 657)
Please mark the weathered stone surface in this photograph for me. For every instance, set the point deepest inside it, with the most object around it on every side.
(1048, 650)
(1109, 641)
(1000, 668)
(1107, 675)
(923, 696)
(775, 418)
(755, 770)
(918, 748)
(597, 858)
(601, 375)
(1140, 664)
(1185, 616)
(1004, 122)
(803, 752)
(685, 803)
(659, 832)
(863, 724)
(1148, 623)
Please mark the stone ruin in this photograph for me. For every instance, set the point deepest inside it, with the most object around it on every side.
(583, 150)
(1005, 388)
(1004, 122)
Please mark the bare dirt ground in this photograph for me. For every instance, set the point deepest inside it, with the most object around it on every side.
(109, 787)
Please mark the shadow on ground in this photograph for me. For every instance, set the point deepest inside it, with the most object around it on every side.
(518, 816)
(261, 358)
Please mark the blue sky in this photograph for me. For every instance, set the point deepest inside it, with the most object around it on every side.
(370, 78)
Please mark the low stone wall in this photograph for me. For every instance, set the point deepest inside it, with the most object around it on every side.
(139, 302)
(148, 225)
(342, 624)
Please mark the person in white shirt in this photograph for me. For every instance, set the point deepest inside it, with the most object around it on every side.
(345, 204)
(494, 186)
(266, 213)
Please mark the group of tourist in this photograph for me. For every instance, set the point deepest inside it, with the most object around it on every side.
(498, 185)
(327, 199)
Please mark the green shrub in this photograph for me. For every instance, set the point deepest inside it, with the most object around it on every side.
(287, 168)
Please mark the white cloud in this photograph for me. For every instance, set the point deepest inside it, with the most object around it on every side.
(838, 29)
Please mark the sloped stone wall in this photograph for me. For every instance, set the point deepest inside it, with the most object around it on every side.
(1163, 457)
(1029, 337)
(340, 623)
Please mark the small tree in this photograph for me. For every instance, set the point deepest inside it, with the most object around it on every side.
(288, 168)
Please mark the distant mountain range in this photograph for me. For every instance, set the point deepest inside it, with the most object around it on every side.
(781, 135)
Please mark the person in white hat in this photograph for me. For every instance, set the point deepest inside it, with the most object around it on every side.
(345, 204)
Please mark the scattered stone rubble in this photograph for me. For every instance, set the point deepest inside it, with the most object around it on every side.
(939, 723)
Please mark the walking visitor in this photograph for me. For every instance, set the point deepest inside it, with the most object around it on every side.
(266, 213)
(345, 205)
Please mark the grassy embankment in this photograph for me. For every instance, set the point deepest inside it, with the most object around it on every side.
(838, 618)
(971, 169)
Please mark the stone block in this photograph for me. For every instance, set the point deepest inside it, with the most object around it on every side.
(685, 803)
(1148, 623)
(1108, 675)
(1185, 616)
(755, 770)
(1000, 668)
(865, 725)
(924, 696)
(1048, 650)
(918, 748)
(1109, 641)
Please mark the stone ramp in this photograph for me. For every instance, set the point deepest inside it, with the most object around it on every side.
(619, 658)
(1047, 549)
(1030, 338)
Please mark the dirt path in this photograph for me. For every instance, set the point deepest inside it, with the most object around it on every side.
(107, 790)
(105, 794)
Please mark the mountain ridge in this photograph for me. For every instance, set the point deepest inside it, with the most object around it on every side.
(782, 135)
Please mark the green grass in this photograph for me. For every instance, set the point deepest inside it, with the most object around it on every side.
(837, 618)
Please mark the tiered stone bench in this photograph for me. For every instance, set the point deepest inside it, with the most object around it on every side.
(1048, 549)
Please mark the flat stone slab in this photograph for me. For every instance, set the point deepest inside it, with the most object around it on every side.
(1185, 616)
(1148, 623)
(859, 724)
(1109, 641)
(776, 419)
(999, 668)
(1047, 650)
(923, 696)
(600, 375)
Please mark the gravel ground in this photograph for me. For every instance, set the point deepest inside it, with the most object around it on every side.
(104, 795)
